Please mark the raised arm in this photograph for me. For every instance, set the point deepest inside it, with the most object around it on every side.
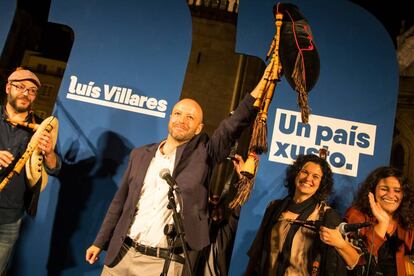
(231, 128)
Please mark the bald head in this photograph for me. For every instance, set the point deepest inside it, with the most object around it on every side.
(186, 120)
(191, 104)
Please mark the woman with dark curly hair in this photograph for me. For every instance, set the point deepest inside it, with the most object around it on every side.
(390, 208)
(284, 245)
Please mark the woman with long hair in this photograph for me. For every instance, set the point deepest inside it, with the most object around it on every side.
(386, 200)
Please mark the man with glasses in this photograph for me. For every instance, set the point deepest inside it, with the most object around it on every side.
(17, 197)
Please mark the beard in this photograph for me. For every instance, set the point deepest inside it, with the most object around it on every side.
(20, 109)
(180, 136)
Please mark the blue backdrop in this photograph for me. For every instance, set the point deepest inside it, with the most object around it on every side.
(125, 72)
(353, 104)
(7, 11)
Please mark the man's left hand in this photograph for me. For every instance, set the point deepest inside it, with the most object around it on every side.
(45, 145)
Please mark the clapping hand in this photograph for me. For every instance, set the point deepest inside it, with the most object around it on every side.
(380, 214)
(377, 210)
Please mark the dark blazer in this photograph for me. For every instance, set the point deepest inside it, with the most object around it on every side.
(193, 166)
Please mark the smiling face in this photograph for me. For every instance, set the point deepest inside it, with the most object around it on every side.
(389, 194)
(307, 181)
(185, 121)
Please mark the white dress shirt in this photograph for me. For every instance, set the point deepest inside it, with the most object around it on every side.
(152, 213)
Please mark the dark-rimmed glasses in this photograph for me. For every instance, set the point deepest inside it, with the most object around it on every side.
(21, 89)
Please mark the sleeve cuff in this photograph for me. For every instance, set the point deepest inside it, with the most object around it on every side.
(55, 170)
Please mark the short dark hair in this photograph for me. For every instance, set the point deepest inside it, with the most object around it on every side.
(403, 214)
(326, 184)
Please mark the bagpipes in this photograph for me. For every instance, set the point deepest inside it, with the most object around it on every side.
(32, 158)
(294, 55)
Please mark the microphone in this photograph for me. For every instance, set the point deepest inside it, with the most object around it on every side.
(344, 228)
(166, 175)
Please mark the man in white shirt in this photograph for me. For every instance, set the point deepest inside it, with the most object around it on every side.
(133, 229)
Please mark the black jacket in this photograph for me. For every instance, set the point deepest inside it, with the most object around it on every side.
(17, 197)
(331, 263)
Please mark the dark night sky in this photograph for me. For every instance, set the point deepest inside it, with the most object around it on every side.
(390, 13)
(56, 41)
